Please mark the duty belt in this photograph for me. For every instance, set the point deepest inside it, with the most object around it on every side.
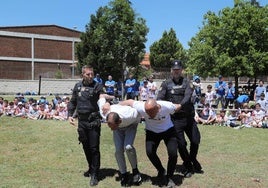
(89, 116)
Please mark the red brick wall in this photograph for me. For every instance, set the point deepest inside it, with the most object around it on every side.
(44, 30)
(43, 49)
(49, 70)
(15, 70)
(50, 49)
(15, 47)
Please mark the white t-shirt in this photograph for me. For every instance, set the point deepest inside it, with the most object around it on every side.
(128, 114)
(162, 121)
(152, 93)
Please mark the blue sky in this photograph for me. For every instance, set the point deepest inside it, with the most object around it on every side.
(184, 16)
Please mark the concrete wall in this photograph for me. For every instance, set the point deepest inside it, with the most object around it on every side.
(52, 86)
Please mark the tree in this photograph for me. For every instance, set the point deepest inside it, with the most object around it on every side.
(165, 50)
(234, 43)
(114, 39)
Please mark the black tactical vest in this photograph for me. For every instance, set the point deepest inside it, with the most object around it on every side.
(175, 91)
(87, 98)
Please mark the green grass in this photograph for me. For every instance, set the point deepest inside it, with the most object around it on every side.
(43, 153)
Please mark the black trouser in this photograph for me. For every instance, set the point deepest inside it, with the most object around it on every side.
(228, 101)
(194, 136)
(89, 136)
(152, 142)
(181, 124)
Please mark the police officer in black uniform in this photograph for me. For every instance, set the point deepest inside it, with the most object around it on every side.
(84, 101)
(179, 91)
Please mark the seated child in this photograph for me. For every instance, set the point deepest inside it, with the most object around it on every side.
(245, 116)
(233, 119)
(207, 115)
(258, 116)
(221, 118)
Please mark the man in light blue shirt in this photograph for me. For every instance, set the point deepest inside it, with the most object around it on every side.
(259, 90)
(220, 87)
(109, 85)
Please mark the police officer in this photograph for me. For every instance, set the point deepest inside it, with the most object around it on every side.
(84, 100)
(179, 91)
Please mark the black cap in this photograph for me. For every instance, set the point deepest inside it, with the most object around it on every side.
(176, 64)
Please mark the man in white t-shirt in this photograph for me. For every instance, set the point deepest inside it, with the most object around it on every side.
(158, 126)
(123, 120)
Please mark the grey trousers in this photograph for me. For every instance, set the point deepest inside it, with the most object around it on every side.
(123, 141)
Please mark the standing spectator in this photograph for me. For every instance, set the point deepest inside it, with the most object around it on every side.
(84, 99)
(263, 102)
(178, 90)
(266, 93)
(158, 127)
(98, 79)
(137, 90)
(119, 89)
(210, 95)
(123, 121)
(142, 81)
(152, 87)
(197, 89)
(130, 87)
(229, 94)
(259, 90)
(144, 91)
(110, 85)
(220, 87)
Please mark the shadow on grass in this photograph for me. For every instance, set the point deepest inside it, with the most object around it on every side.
(107, 172)
(110, 172)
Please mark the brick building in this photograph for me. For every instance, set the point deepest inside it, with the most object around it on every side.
(27, 52)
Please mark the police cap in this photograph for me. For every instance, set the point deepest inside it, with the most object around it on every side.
(176, 64)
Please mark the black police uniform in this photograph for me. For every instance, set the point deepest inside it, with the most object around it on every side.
(180, 93)
(84, 101)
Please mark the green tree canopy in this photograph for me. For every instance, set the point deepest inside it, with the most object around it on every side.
(165, 50)
(114, 39)
(232, 43)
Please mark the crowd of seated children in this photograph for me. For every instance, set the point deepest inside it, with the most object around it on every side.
(34, 109)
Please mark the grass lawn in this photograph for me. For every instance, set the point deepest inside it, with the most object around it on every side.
(46, 153)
